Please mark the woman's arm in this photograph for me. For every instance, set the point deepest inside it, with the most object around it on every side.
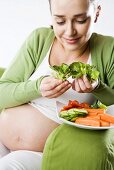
(104, 94)
(102, 49)
(15, 88)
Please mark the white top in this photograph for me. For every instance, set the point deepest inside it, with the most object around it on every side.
(48, 106)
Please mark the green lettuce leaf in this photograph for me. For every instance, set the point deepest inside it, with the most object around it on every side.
(76, 70)
(61, 72)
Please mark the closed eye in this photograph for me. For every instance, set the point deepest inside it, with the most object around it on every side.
(60, 23)
(78, 21)
(82, 21)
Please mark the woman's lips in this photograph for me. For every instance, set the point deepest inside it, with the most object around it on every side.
(71, 41)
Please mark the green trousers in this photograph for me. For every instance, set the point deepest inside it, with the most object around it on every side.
(71, 148)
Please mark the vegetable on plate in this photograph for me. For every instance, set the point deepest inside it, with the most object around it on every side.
(85, 114)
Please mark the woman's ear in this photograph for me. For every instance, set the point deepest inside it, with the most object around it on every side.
(97, 13)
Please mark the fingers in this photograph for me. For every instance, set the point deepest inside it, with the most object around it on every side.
(83, 85)
(50, 79)
(95, 84)
(58, 93)
(87, 82)
(49, 84)
(51, 87)
(90, 86)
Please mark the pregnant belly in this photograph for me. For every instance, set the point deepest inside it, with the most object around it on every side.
(24, 127)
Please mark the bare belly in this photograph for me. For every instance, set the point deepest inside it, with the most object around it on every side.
(24, 127)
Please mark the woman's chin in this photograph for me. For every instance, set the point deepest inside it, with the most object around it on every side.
(71, 47)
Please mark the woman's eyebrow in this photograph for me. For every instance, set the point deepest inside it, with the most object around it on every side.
(60, 16)
(76, 15)
(81, 14)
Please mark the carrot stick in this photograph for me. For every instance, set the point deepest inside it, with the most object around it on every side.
(93, 116)
(88, 121)
(104, 123)
(95, 111)
(107, 118)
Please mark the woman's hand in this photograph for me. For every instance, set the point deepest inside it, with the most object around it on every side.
(83, 85)
(52, 88)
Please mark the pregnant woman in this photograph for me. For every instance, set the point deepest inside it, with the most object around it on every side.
(28, 92)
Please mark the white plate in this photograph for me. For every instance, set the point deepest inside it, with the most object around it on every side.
(60, 105)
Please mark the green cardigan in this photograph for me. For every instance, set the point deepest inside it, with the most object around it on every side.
(1, 71)
(16, 89)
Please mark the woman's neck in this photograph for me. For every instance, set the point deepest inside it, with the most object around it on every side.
(60, 55)
(78, 55)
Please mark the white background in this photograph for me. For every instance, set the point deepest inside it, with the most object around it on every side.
(19, 17)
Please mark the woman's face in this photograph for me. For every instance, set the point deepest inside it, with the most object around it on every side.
(72, 22)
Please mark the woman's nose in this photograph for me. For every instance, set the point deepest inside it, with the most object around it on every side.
(70, 29)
